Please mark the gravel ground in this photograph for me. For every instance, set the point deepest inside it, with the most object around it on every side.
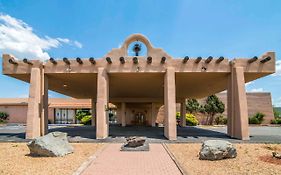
(14, 159)
(250, 160)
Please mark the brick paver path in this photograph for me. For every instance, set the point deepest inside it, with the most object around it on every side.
(113, 161)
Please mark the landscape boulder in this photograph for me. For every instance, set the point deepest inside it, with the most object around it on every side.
(135, 141)
(276, 155)
(54, 144)
(135, 144)
(217, 150)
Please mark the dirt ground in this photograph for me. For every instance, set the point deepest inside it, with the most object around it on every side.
(251, 159)
(14, 159)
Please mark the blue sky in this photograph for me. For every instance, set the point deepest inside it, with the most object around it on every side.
(65, 28)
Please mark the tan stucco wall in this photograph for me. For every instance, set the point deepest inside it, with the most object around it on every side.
(18, 113)
(257, 102)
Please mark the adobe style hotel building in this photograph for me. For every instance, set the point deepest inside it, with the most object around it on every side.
(139, 84)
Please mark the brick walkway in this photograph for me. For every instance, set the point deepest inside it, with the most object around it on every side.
(113, 161)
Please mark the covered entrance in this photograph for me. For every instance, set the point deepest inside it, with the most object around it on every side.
(154, 80)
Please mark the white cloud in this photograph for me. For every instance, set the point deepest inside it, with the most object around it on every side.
(278, 68)
(257, 90)
(18, 38)
(249, 83)
(277, 102)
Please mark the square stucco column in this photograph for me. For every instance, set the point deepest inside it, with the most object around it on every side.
(170, 128)
(237, 122)
(183, 112)
(33, 124)
(153, 114)
(45, 105)
(93, 103)
(123, 114)
(102, 128)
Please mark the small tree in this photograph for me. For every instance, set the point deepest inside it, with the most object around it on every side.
(212, 107)
(4, 117)
(192, 106)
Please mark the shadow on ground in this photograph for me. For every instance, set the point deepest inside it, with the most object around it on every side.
(153, 134)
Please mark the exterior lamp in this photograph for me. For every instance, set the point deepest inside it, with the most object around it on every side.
(92, 60)
(13, 61)
(26, 61)
(135, 60)
(149, 60)
(220, 59)
(186, 58)
(79, 60)
(108, 59)
(163, 59)
(66, 61)
(266, 59)
(52, 60)
(253, 59)
(122, 60)
(209, 59)
(198, 59)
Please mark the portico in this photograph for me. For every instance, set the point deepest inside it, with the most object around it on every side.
(139, 86)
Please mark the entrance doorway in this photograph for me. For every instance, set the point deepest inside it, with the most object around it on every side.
(140, 119)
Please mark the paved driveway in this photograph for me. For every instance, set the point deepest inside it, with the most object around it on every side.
(264, 134)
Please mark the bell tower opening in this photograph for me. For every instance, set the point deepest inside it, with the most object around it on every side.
(137, 48)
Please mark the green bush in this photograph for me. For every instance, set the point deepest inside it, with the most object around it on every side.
(220, 120)
(191, 120)
(3, 117)
(257, 118)
(86, 120)
(84, 116)
(276, 121)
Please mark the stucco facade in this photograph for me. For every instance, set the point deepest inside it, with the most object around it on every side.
(156, 77)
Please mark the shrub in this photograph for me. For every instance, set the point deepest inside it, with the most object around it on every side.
(257, 118)
(220, 120)
(191, 120)
(3, 116)
(84, 116)
(86, 120)
(276, 121)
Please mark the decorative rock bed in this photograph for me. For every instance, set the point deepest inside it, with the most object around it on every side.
(54, 144)
(217, 150)
(135, 144)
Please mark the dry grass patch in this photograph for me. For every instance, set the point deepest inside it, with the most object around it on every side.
(14, 159)
(250, 160)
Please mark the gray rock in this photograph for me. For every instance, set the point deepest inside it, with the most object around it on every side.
(54, 144)
(144, 147)
(135, 142)
(217, 150)
(276, 155)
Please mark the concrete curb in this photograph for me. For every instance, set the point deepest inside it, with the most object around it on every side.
(87, 163)
(174, 159)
